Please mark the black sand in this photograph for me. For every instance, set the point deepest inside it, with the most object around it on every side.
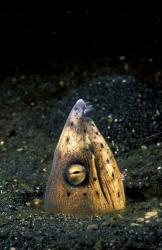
(32, 113)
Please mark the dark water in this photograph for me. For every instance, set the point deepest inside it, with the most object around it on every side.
(49, 58)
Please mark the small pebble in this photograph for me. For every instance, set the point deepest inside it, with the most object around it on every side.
(122, 58)
(19, 149)
(144, 147)
(2, 142)
(157, 112)
(28, 204)
(135, 224)
(61, 83)
(151, 214)
(92, 227)
(37, 202)
(140, 219)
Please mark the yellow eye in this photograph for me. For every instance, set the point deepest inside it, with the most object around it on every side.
(75, 174)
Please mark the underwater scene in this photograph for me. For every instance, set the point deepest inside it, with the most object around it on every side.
(81, 153)
(80, 135)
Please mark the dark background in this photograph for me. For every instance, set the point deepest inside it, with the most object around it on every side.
(41, 38)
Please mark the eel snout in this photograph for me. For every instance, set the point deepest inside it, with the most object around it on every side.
(81, 108)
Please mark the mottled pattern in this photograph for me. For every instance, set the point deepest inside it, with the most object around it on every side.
(81, 142)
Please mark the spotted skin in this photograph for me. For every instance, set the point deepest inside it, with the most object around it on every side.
(107, 167)
(81, 143)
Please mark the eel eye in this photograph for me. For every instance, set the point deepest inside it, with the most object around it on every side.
(75, 174)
